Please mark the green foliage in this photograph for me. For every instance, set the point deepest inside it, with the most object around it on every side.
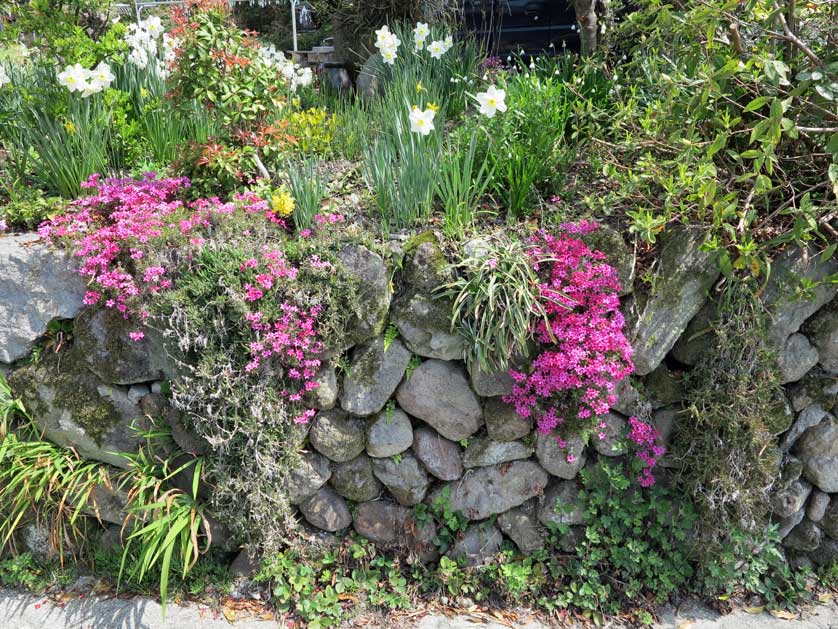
(168, 524)
(727, 450)
(461, 183)
(242, 90)
(307, 185)
(314, 587)
(754, 563)
(451, 524)
(399, 172)
(42, 481)
(22, 571)
(312, 130)
(28, 208)
(495, 300)
(634, 542)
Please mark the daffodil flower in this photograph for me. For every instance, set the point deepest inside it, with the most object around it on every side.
(422, 122)
(437, 49)
(491, 101)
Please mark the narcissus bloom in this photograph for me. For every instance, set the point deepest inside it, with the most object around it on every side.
(422, 121)
(491, 101)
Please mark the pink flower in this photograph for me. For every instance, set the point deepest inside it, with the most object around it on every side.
(492, 263)
(136, 336)
(252, 293)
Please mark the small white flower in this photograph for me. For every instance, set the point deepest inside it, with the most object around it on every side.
(491, 101)
(602, 30)
(102, 75)
(4, 77)
(304, 77)
(74, 78)
(437, 49)
(422, 121)
(388, 56)
(532, 64)
(421, 31)
(153, 26)
(448, 42)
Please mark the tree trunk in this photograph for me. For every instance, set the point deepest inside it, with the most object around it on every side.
(586, 15)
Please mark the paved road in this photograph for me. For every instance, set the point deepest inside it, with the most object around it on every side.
(20, 610)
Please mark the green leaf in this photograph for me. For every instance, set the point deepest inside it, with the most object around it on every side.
(757, 103)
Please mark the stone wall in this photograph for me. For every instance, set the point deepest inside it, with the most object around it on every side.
(391, 433)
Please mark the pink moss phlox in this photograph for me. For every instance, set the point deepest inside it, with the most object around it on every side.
(645, 437)
(585, 352)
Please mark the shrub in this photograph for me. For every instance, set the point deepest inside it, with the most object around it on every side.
(312, 130)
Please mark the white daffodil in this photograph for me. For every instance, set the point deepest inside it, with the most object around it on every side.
(422, 121)
(422, 30)
(4, 77)
(491, 101)
(448, 43)
(437, 49)
(101, 75)
(154, 26)
(382, 34)
(388, 56)
(74, 78)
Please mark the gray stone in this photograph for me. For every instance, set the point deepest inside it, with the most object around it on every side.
(502, 421)
(826, 554)
(389, 433)
(326, 510)
(796, 358)
(38, 542)
(788, 307)
(75, 410)
(369, 82)
(610, 242)
(37, 285)
(664, 422)
(307, 477)
(477, 546)
(810, 416)
(818, 450)
(101, 337)
(380, 522)
(664, 387)
(325, 395)
(440, 456)
(804, 537)
(136, 392)
(790, 499)
(487, 491)
(685, 276)
(829, 521)
(404, 477)
(373, 302)
(822, 330)
(816, 387)
(244, 566)
(425, 265)
(354, 479)
(336, 436)
(613, 442)
(629, 402)
(425, 325)
(560, 505)
(373, 376)
(522, 527)
(437, 392)
(562, 462)
(787, 524)
(482, 451)
(392, 525)
(791, 471)
(818, 504)
(107, 501)
(699, 337)
(490, 384)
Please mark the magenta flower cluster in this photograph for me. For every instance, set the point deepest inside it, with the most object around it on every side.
(585, 353)
(644, 436)
(113, 228)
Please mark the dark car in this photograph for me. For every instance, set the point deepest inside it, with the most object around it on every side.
(530, 26)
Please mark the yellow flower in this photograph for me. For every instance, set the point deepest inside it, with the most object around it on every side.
(70, 127)
(433, 107)
(143, 92)
(282, 203)
(420, 87)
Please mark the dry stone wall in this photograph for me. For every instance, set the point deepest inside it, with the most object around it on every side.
(391, 434)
